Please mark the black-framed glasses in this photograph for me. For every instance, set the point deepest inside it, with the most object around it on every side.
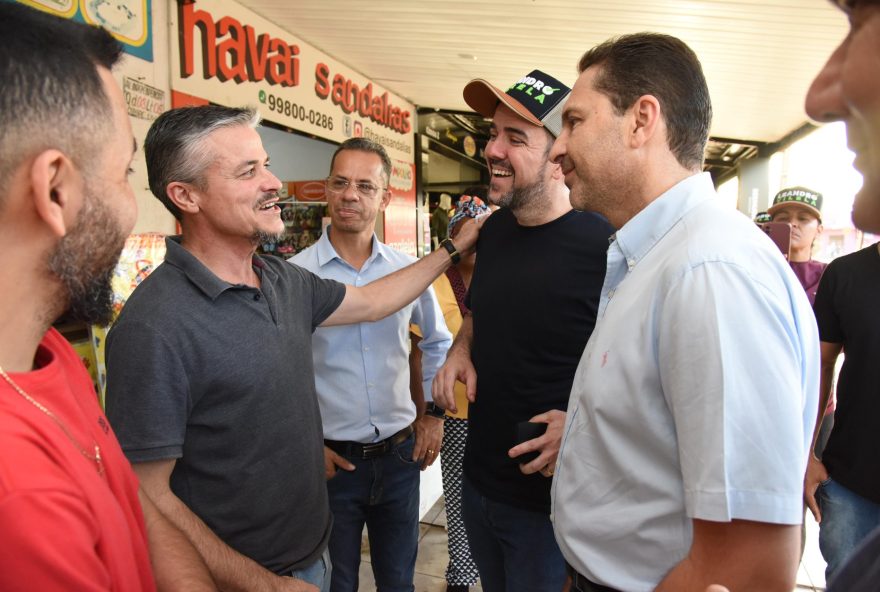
(363, 189)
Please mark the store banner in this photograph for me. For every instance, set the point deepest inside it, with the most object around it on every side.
(127, 20)
(226, 54)
(400, 214)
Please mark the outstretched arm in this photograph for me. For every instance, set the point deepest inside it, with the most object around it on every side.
(380, 298)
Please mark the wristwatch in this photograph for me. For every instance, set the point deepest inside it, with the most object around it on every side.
(450, 248)
(434, 411)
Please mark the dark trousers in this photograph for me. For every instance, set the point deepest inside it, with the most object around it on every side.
(515, 549)
(383, 493)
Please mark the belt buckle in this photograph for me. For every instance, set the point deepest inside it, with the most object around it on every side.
(371, 450)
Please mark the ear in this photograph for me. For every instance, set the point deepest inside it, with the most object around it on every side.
(386, 199)
(555, 170)
(646, 119)
(184, 196)
(57, 190)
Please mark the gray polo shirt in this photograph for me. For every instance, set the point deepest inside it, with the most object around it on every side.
(220, 377)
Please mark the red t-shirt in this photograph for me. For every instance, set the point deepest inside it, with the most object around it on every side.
(64, 526)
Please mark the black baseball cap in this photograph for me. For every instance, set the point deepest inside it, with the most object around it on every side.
(536, 97)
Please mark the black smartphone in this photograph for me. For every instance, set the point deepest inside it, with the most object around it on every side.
(526, 430)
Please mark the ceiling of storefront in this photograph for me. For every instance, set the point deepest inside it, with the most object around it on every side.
(759, 56)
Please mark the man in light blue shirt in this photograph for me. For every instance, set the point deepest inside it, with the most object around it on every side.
(692, 409)
(362, 376)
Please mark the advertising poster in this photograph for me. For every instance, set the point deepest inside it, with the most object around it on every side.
(226, 54)
(127, 20)
(141, 254)
(400, 214)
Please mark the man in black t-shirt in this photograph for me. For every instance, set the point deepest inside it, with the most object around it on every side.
(843, 488)
(534, 298)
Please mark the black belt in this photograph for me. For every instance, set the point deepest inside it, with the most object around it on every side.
(365, 451)
(580, 583)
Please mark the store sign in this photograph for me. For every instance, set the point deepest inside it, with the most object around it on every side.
(143, 101)
(127, 20)
(227, 54)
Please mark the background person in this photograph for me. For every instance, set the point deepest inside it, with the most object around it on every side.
(843, 488)
(801, 208)
(649, 493)
(533, 300)
(451, 289)
(210, 370)
(846, 90)
(71, 514)
(362, 377)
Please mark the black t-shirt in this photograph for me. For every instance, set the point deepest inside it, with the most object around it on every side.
(847, 312)
(534, 297)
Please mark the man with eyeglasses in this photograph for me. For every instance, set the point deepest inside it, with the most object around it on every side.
(210, 371)
(362, 375)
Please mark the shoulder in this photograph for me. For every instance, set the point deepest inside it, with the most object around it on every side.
(500, 218)
(307, 258)
(396, 258)
(726, 244)
(591, 221)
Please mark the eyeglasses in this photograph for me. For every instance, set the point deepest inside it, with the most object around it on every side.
(339, 185)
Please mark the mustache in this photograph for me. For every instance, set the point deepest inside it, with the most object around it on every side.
(267, 197)
(504, 164)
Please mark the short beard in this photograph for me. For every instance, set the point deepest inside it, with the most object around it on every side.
(85, 260)
(261, 237)
(520, 198)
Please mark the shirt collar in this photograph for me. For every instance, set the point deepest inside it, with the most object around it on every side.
(639, 235)
(326, 253)
(196, 271)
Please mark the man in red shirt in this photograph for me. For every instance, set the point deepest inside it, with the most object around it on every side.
(71, 512)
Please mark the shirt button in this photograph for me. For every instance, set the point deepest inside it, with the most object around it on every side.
(610, 294)
(370, 384)
(630, 263)
(367, 348)
(257, 297)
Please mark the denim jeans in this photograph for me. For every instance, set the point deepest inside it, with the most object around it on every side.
(847, 518)
(382, 493)
(318, 573)
(515, 549)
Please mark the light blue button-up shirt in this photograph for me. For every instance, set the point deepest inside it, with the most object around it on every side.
(362, 370)
(695, 397)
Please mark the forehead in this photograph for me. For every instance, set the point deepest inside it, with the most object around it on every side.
(585, 83)
(506, 120)
(357, 163)
(794, 209)
(236, 144)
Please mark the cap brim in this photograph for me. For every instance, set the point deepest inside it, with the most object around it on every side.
(776, 207)
(483, 97)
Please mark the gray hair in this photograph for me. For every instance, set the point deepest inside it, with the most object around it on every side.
(174, 145)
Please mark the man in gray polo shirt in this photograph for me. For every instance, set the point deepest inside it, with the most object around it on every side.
(210, 380)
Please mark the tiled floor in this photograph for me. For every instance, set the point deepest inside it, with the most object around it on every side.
(431, 561)
(432, 558)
